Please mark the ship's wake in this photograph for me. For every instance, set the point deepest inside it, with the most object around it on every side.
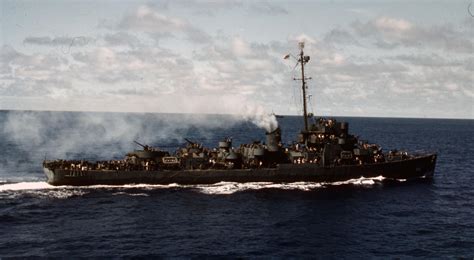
(232, 187)
(43, 189)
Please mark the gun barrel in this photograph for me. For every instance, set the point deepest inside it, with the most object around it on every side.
(139, 144)
(189, 141)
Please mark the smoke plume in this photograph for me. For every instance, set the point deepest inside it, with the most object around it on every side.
(258, 116)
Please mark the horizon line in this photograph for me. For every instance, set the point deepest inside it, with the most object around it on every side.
(177, 113)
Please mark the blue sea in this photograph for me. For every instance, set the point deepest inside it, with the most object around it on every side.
(365, 218)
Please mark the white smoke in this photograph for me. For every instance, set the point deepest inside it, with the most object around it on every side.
(258, 116)
(60, 133)
(35, 136)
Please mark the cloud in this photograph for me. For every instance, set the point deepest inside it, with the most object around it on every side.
(207, 8)
(303, 38)
(384, 25)
(351, 69)
(148, 20)
(429, 60)
(389, 33)
(213, 8)
(384, 66)
(241, 68)
(340, 37)
(269, 8)
(121, 39)
(30, 75)
(58, 41)
(113, 78)
(393, 25)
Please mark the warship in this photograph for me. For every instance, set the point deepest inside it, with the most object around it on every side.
(324, 151)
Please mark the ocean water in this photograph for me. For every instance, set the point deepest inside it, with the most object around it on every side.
(364, 218)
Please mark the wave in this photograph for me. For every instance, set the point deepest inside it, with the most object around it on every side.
(217, 188)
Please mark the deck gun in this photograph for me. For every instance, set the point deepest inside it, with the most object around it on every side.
(145, 147)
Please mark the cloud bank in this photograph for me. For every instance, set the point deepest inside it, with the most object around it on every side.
(381, 66)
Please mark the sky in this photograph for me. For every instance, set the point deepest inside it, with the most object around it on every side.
(368, 58)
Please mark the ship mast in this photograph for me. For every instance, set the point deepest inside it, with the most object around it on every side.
(303, 60)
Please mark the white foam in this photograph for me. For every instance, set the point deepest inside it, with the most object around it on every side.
(359, 181)
(38, 189)
(43, 189)
(131, 194)
(27, 186)
(232, 187)
(55, 193)
(217, 188)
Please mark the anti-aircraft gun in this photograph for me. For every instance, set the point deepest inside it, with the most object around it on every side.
(193, 156)
(148, 153)
(152, 156)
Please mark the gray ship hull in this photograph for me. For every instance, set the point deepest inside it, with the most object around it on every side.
(417, 167)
